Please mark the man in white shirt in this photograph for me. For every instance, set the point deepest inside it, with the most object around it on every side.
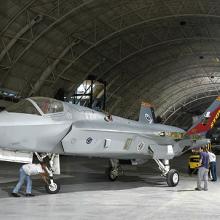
(212, 163)
(25, 173)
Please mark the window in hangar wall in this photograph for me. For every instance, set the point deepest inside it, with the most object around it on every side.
(91, 93)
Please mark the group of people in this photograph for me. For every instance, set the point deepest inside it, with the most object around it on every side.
(207, 166)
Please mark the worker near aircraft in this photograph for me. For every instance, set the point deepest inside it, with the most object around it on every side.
(212, 165)
(203, 169)
(25, 173)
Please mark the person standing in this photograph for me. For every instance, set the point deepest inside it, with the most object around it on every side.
(212, 164)
(25, 173)
(203, 169)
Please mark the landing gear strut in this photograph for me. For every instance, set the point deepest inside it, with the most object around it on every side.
(172, 176)
(113, 170)
(51, 187)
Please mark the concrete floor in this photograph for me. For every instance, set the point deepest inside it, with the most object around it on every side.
(86, 193)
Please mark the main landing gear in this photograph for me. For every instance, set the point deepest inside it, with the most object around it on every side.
(172, 176)
(51, 186)
(114, 169)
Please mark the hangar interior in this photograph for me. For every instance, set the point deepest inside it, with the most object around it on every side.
(165, 52)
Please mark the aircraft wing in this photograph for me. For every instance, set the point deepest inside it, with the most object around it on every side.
(87, 139)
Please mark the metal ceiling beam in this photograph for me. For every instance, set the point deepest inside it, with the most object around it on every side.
(23, 30)
(128, 83)
(190, 101)
(197, 106)
(45, 31)
(181, 98)
(173, 97)
(183, 90)
(105, 38)
(46, 73)
(156, 45)
(115, 33)
(23, 9)
(137, 76)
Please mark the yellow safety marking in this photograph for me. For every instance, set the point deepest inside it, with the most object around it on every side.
(215, 119)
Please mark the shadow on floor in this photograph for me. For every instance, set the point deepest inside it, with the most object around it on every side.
(89, 182)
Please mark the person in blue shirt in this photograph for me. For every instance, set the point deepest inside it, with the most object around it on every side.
(203, 169)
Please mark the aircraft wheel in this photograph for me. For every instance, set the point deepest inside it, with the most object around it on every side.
(52, 188)
(172, 178)
(112, 174)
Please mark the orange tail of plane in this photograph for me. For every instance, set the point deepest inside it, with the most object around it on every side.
(207, 120)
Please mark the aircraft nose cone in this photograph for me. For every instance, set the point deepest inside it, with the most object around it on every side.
(14, 129)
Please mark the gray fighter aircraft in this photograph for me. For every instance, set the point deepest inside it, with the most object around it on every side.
(51, 127)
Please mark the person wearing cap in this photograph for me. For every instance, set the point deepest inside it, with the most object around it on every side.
(25, 173)
(203, 169)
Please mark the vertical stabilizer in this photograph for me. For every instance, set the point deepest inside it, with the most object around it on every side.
(146, 113)
(207, 120)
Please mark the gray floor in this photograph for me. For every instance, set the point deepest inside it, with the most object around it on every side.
(86, 193)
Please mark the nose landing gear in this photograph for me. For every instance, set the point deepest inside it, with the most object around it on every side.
(51, 186)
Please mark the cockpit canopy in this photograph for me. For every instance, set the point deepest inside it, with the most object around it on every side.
(37, 106)
(24, 106)
(48, 105)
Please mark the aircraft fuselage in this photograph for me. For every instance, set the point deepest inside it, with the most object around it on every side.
(82, 131)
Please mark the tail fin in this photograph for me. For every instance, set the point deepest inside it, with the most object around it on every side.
(146, 113)
(207, 120)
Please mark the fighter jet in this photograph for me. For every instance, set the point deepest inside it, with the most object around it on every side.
(51, 127)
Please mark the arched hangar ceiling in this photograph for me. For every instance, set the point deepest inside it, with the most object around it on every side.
(166, 52)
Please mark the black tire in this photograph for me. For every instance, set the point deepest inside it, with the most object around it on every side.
(111, 174)
(172, 178)
(52, 190)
